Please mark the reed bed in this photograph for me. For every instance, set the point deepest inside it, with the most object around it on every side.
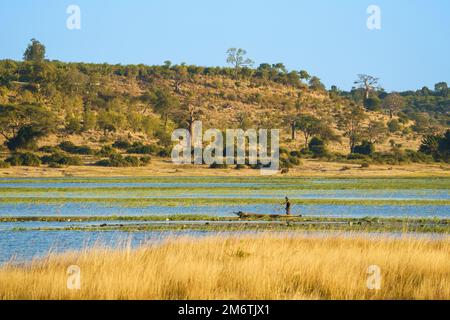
(267, 266)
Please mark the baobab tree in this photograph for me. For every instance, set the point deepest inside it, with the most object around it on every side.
(367, 83)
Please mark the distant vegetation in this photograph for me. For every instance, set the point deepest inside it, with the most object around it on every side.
(60, 114)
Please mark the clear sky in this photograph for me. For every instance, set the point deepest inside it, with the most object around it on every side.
(328, 38)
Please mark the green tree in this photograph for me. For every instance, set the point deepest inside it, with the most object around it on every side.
(316, 85)
(376, 132)
(22, 125)
(308, 125)
(365, 148)
(317, 147)
(237, 59)
(441, 88)
(164, 104)
(35, 52)
(350, 122)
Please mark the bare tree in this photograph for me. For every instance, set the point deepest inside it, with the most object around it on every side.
(367, 83)
(393, 103)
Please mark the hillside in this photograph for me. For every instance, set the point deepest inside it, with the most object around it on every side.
(44, 103)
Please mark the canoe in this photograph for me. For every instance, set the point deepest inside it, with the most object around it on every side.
(248, 215)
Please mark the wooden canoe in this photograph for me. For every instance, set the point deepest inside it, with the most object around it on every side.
(248, 215)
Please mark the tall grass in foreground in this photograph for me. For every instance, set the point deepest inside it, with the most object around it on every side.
(246, 267)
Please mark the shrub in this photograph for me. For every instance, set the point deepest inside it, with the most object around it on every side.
(73, 126)
(218, 166)
(106, 151)
(283, 151)
(372, 104)
(356, 156)
(30, 159)
(27, 159)
(164, 152)
(122, 144)
(55, 165)
(294, 160)
(61, 159)
(297, 154)
(72, 148)
(366, 148)
(140, 148)
(132, 161)
(394, 126)
(145, 160)
(49, 149)
(117, 160)
(317, 147)
(365, 165)
(4, 164)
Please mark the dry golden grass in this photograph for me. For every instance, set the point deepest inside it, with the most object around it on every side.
(250, 267)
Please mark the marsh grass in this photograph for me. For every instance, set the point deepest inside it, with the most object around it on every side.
(268, 266)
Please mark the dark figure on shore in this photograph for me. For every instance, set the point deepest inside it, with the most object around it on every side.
(288, 206)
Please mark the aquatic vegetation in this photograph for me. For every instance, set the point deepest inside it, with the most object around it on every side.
(50, 207)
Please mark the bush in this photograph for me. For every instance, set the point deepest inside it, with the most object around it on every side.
(27, 159)
(317, 147)
(72, 148)
(140, 148)
(357, 156)
(58, 158)
(218, 166)
(106, 151)
(394, 126)
(297, 154)
(164, 152)
(117, 160)
(55, 165)
(372, 104)
(73, 126)
(49, 149)
(4, 164)
(145, 160)
(122, 144)
(294, 160)
(366, 148)
(365, 165)
(132, 161)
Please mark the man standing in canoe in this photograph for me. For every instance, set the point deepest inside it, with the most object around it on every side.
(288, 206)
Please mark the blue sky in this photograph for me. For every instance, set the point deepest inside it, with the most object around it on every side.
(328, 38)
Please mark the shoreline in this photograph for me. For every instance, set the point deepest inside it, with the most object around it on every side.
(231, 224)
(165, 168)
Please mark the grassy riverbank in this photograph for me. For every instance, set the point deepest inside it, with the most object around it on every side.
(235, 224)
(164, 167)
(246, 267)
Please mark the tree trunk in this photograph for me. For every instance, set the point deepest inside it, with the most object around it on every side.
(293, 131)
